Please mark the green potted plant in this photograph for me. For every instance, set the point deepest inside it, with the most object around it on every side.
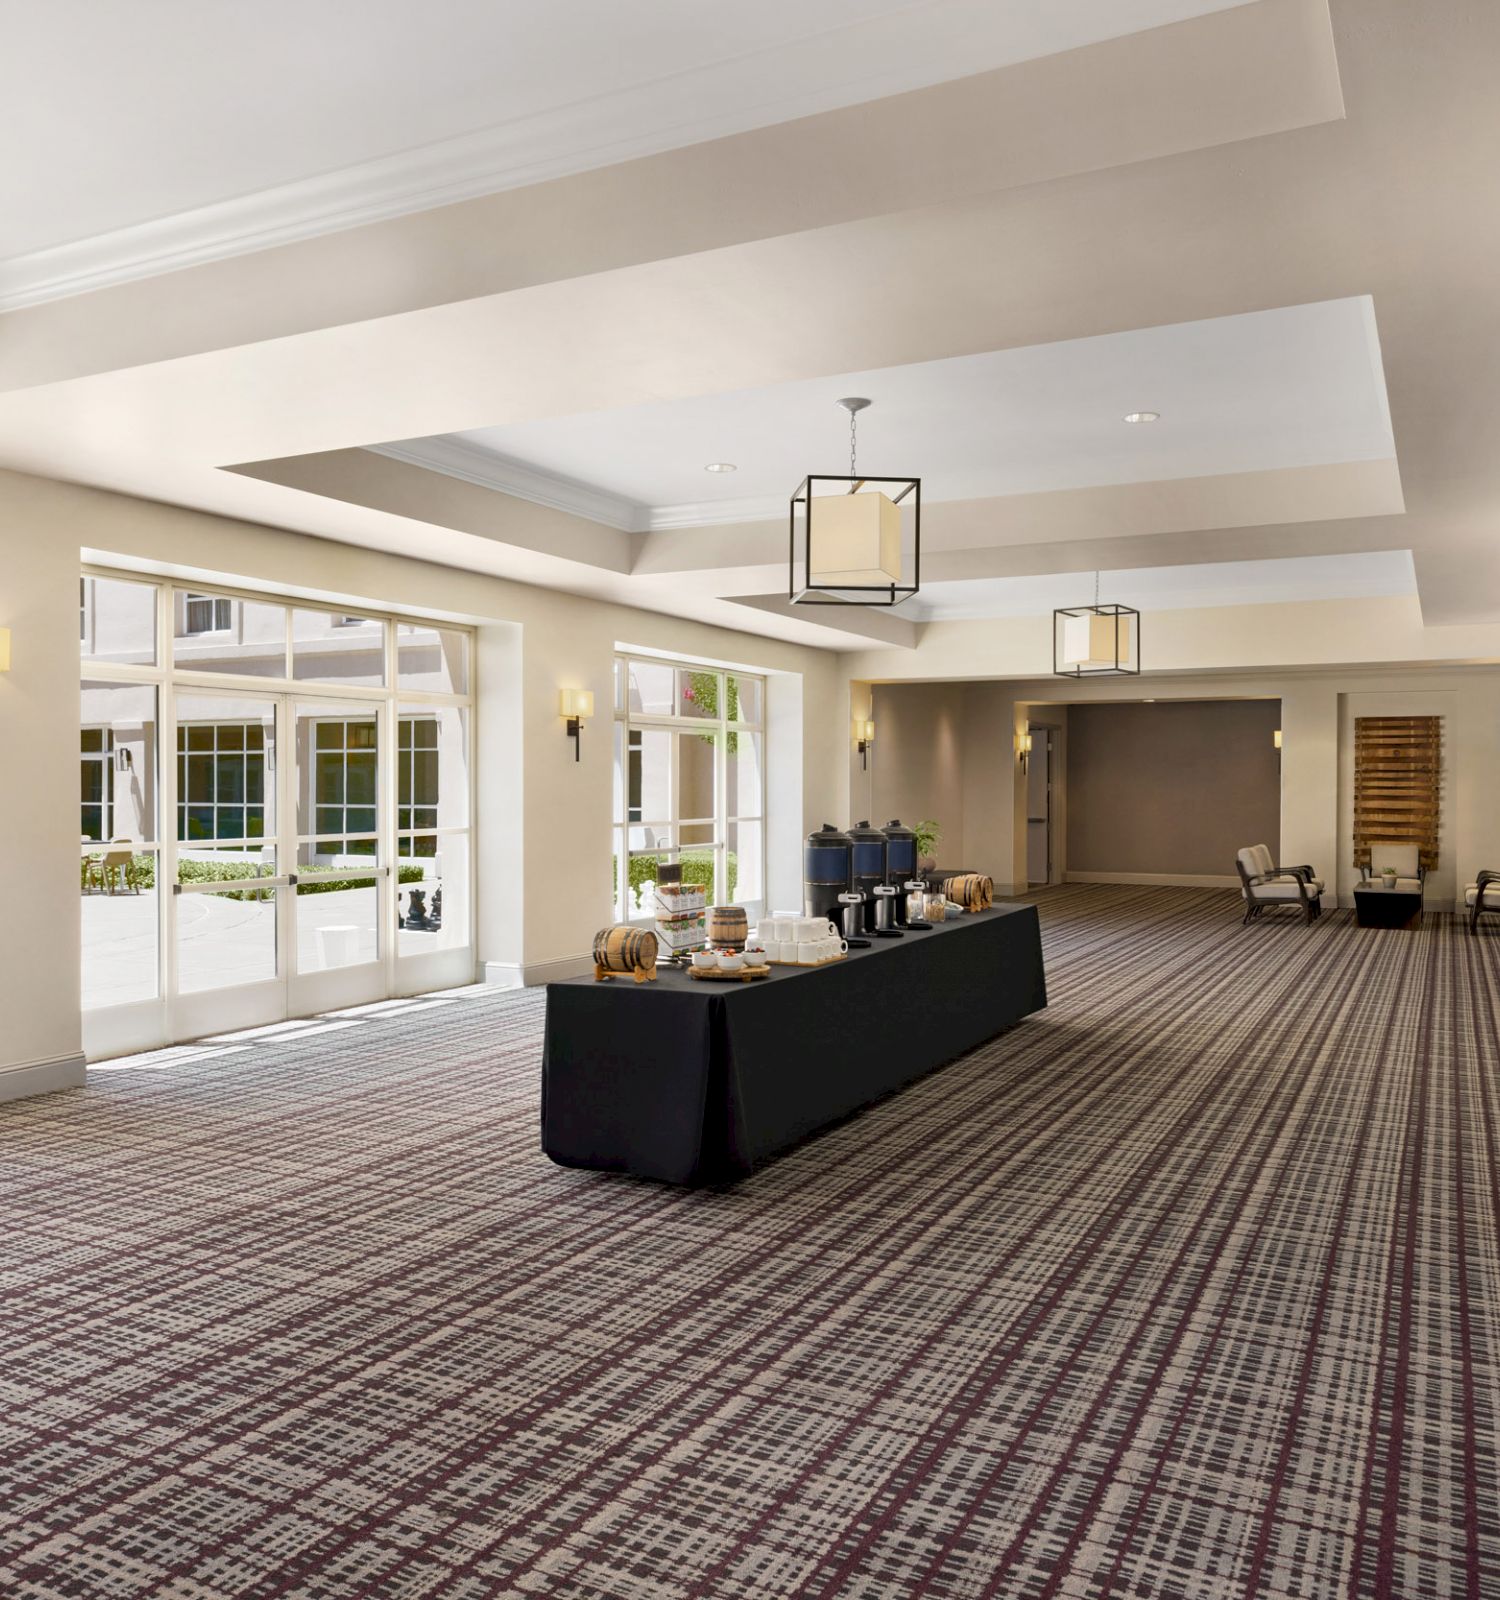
(928, 833)
(1388, 877)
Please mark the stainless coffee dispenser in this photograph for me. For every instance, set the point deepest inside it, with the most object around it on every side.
(900, 863)
(826, 865)
(868, 845)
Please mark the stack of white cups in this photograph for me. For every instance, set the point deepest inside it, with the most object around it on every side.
(801, 941)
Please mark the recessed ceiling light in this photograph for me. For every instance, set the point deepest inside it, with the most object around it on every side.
(721, 466)
(1143, 416)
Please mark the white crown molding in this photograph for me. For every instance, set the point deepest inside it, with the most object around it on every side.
(715, 513)
(914, 47)
(455, 458)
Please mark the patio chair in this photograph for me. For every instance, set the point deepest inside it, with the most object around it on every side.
(1482, 895)
(117, 866)
(1263, 883)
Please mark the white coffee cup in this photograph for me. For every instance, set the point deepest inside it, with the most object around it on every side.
(703, 959)
(731, 961)
(809, 952)
(809, 928)
(772, 930)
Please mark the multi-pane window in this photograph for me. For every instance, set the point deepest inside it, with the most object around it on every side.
(689, 783)
(221, 781)
(346, 778)
(98, 782)
(417, 773)
(205, 613)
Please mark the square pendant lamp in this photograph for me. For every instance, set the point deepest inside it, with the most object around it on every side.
(1096, 641)
(846, 535)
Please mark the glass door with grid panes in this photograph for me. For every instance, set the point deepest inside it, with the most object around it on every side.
(315, 853)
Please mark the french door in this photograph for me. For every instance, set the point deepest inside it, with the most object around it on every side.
(280, 903)
(275, 810)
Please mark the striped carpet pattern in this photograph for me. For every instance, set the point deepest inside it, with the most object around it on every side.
(1188, 1286)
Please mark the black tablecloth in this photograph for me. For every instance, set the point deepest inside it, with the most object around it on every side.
(697, 1083)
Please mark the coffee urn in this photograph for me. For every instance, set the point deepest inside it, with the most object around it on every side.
(900, 862)
(869, 866)
(826, 858)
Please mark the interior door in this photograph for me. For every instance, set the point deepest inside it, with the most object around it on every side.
(1039, 809)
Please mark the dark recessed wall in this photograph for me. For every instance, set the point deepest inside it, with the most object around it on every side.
(1171, 789)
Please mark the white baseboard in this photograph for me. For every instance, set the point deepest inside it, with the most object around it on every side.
(513, 975)
(1169, 880)
(42, 1077)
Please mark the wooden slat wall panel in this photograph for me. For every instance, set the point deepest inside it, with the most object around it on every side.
(1398, 778)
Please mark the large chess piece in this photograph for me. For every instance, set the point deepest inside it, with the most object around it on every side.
(416, 911)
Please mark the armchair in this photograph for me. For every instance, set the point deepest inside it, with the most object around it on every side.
(1263, 883)
(1482, 895)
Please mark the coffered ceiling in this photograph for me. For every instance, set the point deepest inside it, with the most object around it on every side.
(1297, 386)
(1268, 222)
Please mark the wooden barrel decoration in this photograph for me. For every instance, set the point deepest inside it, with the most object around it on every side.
(973, 891)
(728, 927)
(624, 949)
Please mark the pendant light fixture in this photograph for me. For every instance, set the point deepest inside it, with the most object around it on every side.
(848, 535)
(1097, 641)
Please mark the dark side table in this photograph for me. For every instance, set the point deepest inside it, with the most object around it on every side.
(1388, 908)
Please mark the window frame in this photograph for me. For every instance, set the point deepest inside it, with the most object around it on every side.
(408, 969)
(201, 597)
(628, 758)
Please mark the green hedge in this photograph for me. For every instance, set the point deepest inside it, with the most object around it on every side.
(327, 879)
(697, 867)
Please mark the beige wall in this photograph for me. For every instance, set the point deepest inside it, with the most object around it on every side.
(1171, 789)
(916, 762)
(535, 803)
(40, 1040)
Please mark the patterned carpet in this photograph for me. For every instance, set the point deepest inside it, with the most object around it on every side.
(1188, 1286)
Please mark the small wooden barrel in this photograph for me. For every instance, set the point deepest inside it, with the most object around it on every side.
(728, 927)
(973, 891)
(624, 949)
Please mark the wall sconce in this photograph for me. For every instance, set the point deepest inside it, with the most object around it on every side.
(1276, 740)
(864, 737)
(576, 705)
(4, 649)
(1023, 750)
(124, 760)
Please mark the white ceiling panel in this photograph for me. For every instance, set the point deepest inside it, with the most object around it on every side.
(1293, 387)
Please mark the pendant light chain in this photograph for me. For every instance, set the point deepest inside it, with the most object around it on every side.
(853, 420)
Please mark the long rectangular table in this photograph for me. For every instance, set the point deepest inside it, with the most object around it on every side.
(698, 1083)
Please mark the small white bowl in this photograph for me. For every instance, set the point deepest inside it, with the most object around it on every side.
(730, 961)
(756, 958)
(703, 959)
